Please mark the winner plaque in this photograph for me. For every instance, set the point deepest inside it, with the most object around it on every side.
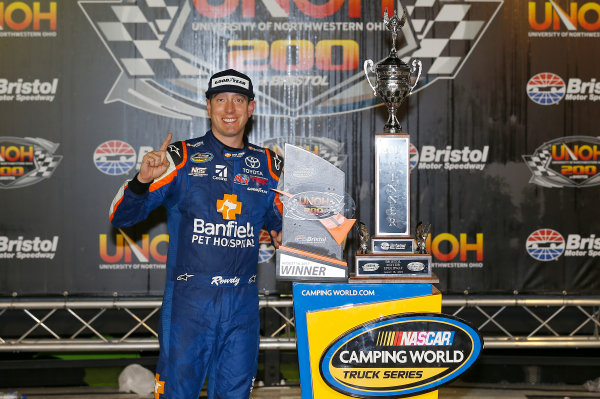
(394, 256)
(314, 225)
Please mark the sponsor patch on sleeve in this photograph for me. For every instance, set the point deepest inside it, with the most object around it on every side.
(275, 164)
(176, 152)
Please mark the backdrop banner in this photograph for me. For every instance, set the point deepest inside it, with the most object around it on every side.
(503, 124)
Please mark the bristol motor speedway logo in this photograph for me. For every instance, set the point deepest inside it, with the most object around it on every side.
(449, 158)
(315, 49)
(266, 250)
(30, 90)
(26, 161)
(547, 88)
(26, 248)
(116, 157)
(546, 245)
(566, 162)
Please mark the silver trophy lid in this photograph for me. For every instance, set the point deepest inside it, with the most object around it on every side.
(394, 25)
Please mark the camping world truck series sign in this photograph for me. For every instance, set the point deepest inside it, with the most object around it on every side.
(400, 356)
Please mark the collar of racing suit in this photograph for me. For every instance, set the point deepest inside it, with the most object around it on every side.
(225, 146)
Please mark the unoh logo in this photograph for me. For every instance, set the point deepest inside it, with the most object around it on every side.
(398, 356)
(313, 205)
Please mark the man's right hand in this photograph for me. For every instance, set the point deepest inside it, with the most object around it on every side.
(155, 163)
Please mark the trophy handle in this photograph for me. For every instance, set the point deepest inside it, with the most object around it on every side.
(416, 64)
(368, 66)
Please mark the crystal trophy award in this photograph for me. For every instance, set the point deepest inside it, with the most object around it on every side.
(394, 255)
(314, 225)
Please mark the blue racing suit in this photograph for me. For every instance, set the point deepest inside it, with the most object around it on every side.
(217, 199)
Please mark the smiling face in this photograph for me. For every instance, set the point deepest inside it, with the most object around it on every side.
(229, 113)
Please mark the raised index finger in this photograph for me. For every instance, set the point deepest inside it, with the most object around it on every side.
(165, 143)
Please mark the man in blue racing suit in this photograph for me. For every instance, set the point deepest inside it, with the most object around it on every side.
(217, 192)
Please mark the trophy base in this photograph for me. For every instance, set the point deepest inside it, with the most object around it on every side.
(393, 130)
(392, 265)
(433, 279)
(297, 265)
(386, 245)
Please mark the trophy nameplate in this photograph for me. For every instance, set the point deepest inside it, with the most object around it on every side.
(393, 265)
(393, 245)
(297, 265)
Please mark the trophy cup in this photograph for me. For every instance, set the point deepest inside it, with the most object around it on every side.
(393, 76)
(395, 255)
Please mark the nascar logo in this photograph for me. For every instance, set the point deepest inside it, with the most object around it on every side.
(415, 338)
(202, 157)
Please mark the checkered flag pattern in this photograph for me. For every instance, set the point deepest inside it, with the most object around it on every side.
(336, 160)
(134, 33)
(46, 163)
(446, 31)
(538, 163)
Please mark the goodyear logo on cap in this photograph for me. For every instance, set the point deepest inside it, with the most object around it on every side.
(230, 80)
(399, 356)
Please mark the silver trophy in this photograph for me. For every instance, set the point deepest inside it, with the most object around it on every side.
(394, 255)
(393, 76)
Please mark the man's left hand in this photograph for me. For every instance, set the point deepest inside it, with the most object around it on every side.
(276, 238)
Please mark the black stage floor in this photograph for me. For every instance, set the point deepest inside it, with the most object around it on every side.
(453, 391)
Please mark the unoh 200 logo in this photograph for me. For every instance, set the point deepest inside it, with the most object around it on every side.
(401, 355)
(315, 47)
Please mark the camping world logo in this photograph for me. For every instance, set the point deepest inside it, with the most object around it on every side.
(114, 157)
(313, 48)
(545, 245)
(546, 88)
